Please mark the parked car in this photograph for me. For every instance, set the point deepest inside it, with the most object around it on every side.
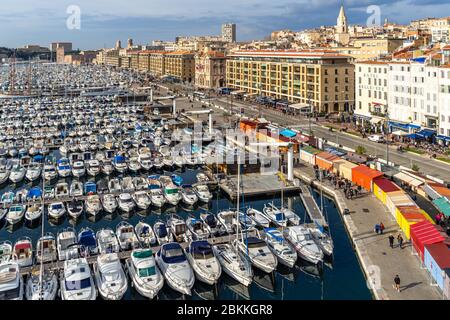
(376, 138)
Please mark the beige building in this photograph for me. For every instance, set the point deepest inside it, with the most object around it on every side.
(323, 77)
(180, 64)
(210, 67)
(342, 36)
(370, 48)
(66, 45)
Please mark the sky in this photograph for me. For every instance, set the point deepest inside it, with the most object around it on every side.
(102, 22)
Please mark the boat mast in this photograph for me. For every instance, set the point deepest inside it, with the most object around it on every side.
(41, 271)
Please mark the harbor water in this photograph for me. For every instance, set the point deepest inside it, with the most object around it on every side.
(341, 278)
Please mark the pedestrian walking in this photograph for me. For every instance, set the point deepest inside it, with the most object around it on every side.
(391, 241)
(377, 229)
(381, 227)
(397, 283)
(400, 241)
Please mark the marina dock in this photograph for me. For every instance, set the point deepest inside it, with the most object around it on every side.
(312, 208)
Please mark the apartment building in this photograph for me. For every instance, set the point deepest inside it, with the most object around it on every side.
(210, 67)
(322, 77)
(444, 103)
(180, 64)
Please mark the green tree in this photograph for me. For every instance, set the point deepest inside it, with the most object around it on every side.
(415, 168)
(360, 150)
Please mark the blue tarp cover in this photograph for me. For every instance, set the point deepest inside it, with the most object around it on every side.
(172, 253)
(200, 247)
(35, 192)
(87, 239)
(288, 133)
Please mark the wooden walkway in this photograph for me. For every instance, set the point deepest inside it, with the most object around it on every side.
(59, 265)
(312, 208)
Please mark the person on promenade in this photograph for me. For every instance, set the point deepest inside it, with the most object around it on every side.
(400, 241)
(391, 241)
(377, 228)
(397, 283)
(381, 227)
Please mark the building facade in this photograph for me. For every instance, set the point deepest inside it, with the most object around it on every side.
(324, 78)
(342, 36)
(210, 67)
(180, 64)
(229, 32)
(66, 45)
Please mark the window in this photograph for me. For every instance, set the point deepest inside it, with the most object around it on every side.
(360, 105)
(336, 80)
(442, 118)
(336, 71)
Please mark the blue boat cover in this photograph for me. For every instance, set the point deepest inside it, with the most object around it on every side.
(172, 253)
(274, 233)
(200, 247)
(38, 158)
(87, 239)
(119, 159)
(211, 220)
(279, 216)
(177, 179)
(90, 187)
(35, 192)
(288, 133)
(162, 230)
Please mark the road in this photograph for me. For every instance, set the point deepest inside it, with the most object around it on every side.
(426, 165)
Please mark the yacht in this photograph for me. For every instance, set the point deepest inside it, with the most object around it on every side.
(126, 236)
(142, 200)
(258, 217)
(41, 287)
(109, 203)
(46, 250)
(126, 203)
(322, 239)
(76, 189)
(119, 164)
(17, 173)
(56, 210)
(67, 244)
(172, 194)
(75, 208)
(11, 281)
(257, 251)
(87, 242)
(196, 229)
(145, 234)
(275, 215)
(172, 262)
(110, 278)
(142, 269)
(107, 241)
(93, 167)
(134, 165)
(50, 172)
(177, 227)
(301, 239)
(106, 167)
(64, 168)
(279, 247)
(157, 197)
(228, 220)
(93, 205)
(145, 160)
(76, 281)
(78, 169)
(202, 259)
(23, 252)
(203, 192)
(233, 264)
(161, 232)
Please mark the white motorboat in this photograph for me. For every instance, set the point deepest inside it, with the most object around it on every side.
(134, 165)
(145, 234)
(162, 234)
(188, 195)
(172, 194)
(107, 241)
(140, 183)
(275, 215)
(41, 287)
(177, 227)
(76, 188)
(4, 175)
(34, 171)
(64, 168)
(203, 192)
(109, 203)
(114, 185)
(6, 249)
(126, 236)
(75, 208)
(126, 203)
(279, 247)
(11, 281)
(23, 252)
(50, 172)
(214, 227)
(127, 184)
(119, 164)
(257, 251)
(17, 173)
(67, 244)
(203, 261)
(109, 276)
(76, 281)
(142, 200)
(258, 217)
(157, 197)
(78, 169)
(106, 167)
(145, 160)
(15, 213)
(228, 220)
(46, 250)
(233, 264)
(87, 241)
(93, 204)
(322, 239)
(292, 218)
(176, 269)
(93, 167)
(56, 210)
(301, 239)
(62, 190)
(142, 269)
(196, 229)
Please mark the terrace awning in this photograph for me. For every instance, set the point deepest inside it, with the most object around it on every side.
(288, 133)
(426, 133)
(445, 138)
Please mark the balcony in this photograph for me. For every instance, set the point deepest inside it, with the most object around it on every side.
(378, 114)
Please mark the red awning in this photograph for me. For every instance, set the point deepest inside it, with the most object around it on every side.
(21, 246)
(422, 233)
